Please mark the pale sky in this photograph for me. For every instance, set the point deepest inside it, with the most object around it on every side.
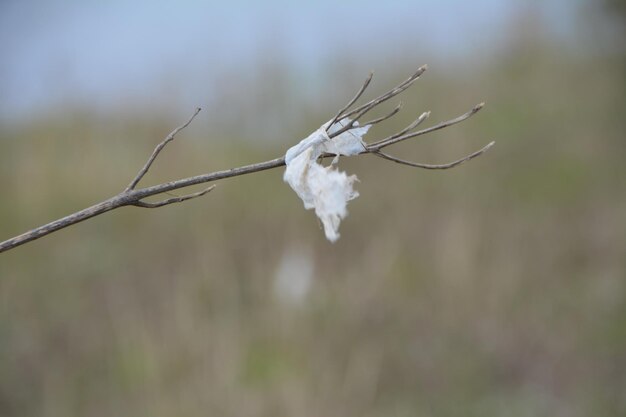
(57, 51)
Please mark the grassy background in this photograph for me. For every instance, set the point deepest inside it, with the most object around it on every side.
(494, 289)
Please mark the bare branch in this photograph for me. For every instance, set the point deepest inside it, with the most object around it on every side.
(131, 196)
(158, 150)
(79, 216)
(430, 166)
(173, 200)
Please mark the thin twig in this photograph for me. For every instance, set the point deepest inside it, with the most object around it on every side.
(412, 126)
(352, 101)
(431, 166)
(390, 94)
(383, 118)
(395, 139)
(173, 200)
(158, 150)
(132, 196)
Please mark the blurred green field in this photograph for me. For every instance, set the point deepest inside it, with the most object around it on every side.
(494, 289)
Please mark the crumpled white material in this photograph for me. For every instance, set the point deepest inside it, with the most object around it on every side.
(325, 189)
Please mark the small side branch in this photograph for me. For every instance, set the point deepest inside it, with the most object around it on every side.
(173, 200)
(157, 151)
(433, 166)
(388, 116)
(393, 139)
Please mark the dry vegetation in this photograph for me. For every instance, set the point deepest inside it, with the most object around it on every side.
(490, 290)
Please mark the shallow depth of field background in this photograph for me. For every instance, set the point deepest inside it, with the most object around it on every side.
(494, 289)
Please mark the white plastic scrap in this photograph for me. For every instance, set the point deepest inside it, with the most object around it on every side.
(325, 189)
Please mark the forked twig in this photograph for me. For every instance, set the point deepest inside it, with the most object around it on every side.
(132, 196)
